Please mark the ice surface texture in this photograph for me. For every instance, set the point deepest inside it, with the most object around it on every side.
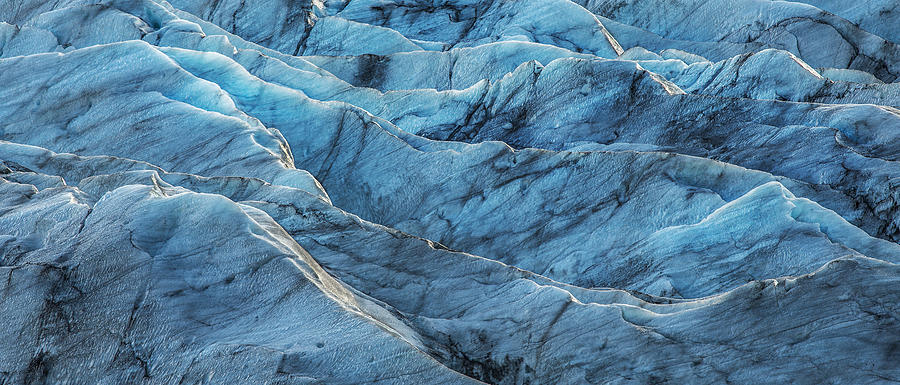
(449, 192)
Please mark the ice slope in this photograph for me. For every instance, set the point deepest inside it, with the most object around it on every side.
(90, 90)
(751, 76)
(411, 277)
(854, 142)
(656, 217)
(558, 22)
(458, 68)
(453, 217)
(818, 37)
(134, 286)
(877, 16)
(287, 23)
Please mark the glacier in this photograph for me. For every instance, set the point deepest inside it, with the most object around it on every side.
(449, 192)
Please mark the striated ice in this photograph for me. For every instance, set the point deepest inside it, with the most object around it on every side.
(452, 192)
